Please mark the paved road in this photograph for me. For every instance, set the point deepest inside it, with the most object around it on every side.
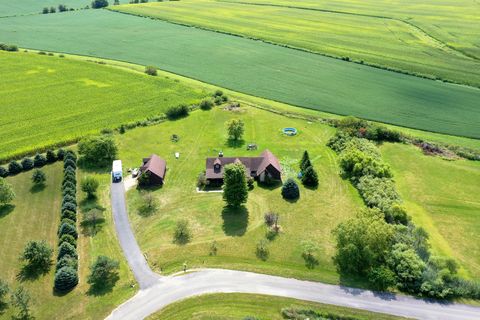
(142, 272)
(157, 292)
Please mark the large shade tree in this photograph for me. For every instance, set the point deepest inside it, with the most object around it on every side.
(235, 189)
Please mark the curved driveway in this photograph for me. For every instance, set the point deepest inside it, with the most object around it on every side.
(157, 292)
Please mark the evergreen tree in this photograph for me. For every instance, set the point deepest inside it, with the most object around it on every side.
(310, 177)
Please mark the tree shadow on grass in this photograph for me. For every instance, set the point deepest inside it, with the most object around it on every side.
(235, 220)
(270, 186)
(31, 273)
(6, 209)
(231, 143)
(100, 289)
(37, 188)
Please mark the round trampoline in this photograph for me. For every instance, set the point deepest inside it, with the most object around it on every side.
(290, 131)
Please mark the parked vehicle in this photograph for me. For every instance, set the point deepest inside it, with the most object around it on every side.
(117, 174)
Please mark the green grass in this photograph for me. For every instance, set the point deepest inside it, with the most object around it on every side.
(450, 21)
(385, 42)
(269, 71)
(236, 306)
(442, 197)
(50, 100)
(35, 216)
(202, 134)
(21, 7)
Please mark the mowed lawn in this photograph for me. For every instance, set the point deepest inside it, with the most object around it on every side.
(234, 306)
(36, 216)
(453, 22)
(253, 67)
(203, 134)
(49, 100)
(443, 197)
(390, 43)
(22, 7)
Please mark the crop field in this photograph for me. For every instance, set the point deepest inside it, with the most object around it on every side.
(35, 216)
(442, 197)
(450, 21)
(49, 100)
(234, 306)
(248, 66)
(202, 134)
(23, 7)
(386, 42)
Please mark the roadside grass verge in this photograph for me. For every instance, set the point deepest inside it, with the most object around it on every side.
(234, 306)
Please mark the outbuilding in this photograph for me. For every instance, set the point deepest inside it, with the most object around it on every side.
(155, 167)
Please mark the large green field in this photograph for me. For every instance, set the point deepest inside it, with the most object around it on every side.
(50, 100)
(35, 215)
(282, 74)
(443, 197)
(235, 306)
(202, 134)
(453, 22)
(386, 42)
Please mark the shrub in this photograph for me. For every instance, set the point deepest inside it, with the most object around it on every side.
(89, 186)
(39, 160)
(97, 4)
(407, 266)
(148, 206)
(4, 290)
(66, 279)
(67, 261)
(38, 177)
(218, 93)
(53, 10)
(271, 219)
(182, 232)
(310, 177)
(14, 167)
(69, 175)
(69, 163)
(27, 164)
(8, 47)
(356, 164)
(151, 71)
(98, 151)
(45, 10)
(50, 156)
(202, 180)
(61, 154)
(21, 300)
(3, 172)
(67, 228)
(224, 98)
(69, 185)
(235, 189)
(68, 238)
(177, 112)
(69, 154)
(67, 214)
(68, 221)
(206, 104)
(218, 100)
(262, 252)
(38, 254)
(62, 8)
(103, 271)
(69, 191)
(378, 192)
(71, 206)
(381, 278)
(6, 192)
(290, 189)
(66, 248)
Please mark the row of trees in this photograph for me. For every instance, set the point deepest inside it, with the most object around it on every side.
(27, 163)
(61, 8)
(66, 276)
(381, 243)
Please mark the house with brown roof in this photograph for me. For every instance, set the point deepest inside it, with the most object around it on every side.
(155, 167)
(260, 168)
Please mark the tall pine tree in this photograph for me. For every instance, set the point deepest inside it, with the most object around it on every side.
(305, 162)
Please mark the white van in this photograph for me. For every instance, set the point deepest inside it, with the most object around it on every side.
(117, 171)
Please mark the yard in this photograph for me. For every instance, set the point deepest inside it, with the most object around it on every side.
(35, 216)
(203, 134)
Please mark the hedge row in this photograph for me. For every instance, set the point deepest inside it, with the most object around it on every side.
(409, 264)
(66, 276)
(27, 163)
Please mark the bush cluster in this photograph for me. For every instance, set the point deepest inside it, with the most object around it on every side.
(66, 276)
(388, 248)
(27, 163)
(177, 112)
(365, 129)
(8, 47)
